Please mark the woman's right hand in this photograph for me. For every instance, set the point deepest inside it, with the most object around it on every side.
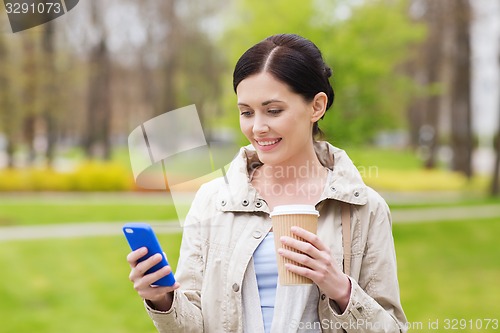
(160, 297)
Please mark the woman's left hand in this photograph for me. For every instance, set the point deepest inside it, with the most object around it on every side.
(318, 265)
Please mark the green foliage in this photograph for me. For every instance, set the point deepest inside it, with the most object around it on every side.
(365, 51)
(89, 176)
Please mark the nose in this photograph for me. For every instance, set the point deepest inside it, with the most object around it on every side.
(260, 125)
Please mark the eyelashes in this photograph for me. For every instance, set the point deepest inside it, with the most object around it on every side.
(273, 112)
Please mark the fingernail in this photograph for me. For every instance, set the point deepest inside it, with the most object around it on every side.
(280, 251)
(283, 239)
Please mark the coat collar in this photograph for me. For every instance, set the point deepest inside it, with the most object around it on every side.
(344, 180)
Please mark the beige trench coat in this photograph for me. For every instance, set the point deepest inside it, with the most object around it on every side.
(226, 223)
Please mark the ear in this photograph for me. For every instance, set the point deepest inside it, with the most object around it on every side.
(319, 106)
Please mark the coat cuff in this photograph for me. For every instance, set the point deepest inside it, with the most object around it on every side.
(362, 314)
(164, 320)
(359, 306)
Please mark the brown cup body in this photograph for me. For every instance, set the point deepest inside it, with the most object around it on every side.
(282, 224)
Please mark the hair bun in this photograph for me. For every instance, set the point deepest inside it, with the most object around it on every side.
(328, 71)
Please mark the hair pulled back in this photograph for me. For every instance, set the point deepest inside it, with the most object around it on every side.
(291, 59)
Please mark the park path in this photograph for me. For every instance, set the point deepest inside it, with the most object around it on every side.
(69, 230)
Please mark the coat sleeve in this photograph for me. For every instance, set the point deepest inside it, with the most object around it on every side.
(374, 304)
(185, 315)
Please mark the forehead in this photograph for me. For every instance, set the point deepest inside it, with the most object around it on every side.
(262, 87)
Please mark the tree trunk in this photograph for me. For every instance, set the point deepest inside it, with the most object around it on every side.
(424, 113)
(29, 110)
(98, 143)
(6, 113)
(168, 101)
(461, 136)
(433, 63)
(50, 102)
(495, 186)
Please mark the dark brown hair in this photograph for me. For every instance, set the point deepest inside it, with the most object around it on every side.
(291, 59)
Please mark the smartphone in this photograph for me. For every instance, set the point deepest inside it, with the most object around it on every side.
(142, 235)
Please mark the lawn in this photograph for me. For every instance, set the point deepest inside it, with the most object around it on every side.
(74, 285)
(64, 208)
(447, 270)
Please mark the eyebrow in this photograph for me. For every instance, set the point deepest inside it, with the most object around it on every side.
(264, 103)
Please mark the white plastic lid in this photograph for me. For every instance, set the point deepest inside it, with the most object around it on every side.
(294, 210)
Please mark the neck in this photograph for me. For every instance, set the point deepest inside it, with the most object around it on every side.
(303, 167)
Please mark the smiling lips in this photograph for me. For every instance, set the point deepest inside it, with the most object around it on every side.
(268, 144)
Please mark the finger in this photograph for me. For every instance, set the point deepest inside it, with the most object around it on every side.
(155, 276)
(133, 256)
(300, 258)
(303, 271)
(301, 246)
(309, 237)
(156, 292)
(141, 268)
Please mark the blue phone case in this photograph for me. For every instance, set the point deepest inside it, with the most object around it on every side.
(141, 234)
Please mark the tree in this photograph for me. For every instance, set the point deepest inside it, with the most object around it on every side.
(7, 119)
(49, 85)
(97, 141)
(495, 183)
(460, 92)
(427, 69)
(30, 78)
(364, 49)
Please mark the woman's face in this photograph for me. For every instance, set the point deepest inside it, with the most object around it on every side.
(277, 121)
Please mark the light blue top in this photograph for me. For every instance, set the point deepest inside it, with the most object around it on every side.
(266, 270)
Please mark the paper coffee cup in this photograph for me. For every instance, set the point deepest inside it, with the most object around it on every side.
(283, 219)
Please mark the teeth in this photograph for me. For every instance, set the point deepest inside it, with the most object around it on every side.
(267, 143)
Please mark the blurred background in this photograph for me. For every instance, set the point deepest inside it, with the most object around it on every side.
(417, 108)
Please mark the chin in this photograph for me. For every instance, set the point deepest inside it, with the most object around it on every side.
(269, 159)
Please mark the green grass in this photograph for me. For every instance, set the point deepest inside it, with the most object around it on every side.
(446, 270)
(366, 156)
(462, 201)
(38, 213)
(449, 270)
(74, 285)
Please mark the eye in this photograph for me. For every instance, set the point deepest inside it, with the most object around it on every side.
(246, 113)
(274, 111)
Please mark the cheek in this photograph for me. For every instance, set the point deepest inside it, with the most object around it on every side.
(245, 126)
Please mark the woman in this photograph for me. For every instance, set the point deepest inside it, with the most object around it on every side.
(227, 269)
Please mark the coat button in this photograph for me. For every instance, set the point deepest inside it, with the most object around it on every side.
(245, 203)
(236, 287)
(323, 296)
(223, 202)
(356, 194)
(257, 234)
(333, 189)
(258, 204)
